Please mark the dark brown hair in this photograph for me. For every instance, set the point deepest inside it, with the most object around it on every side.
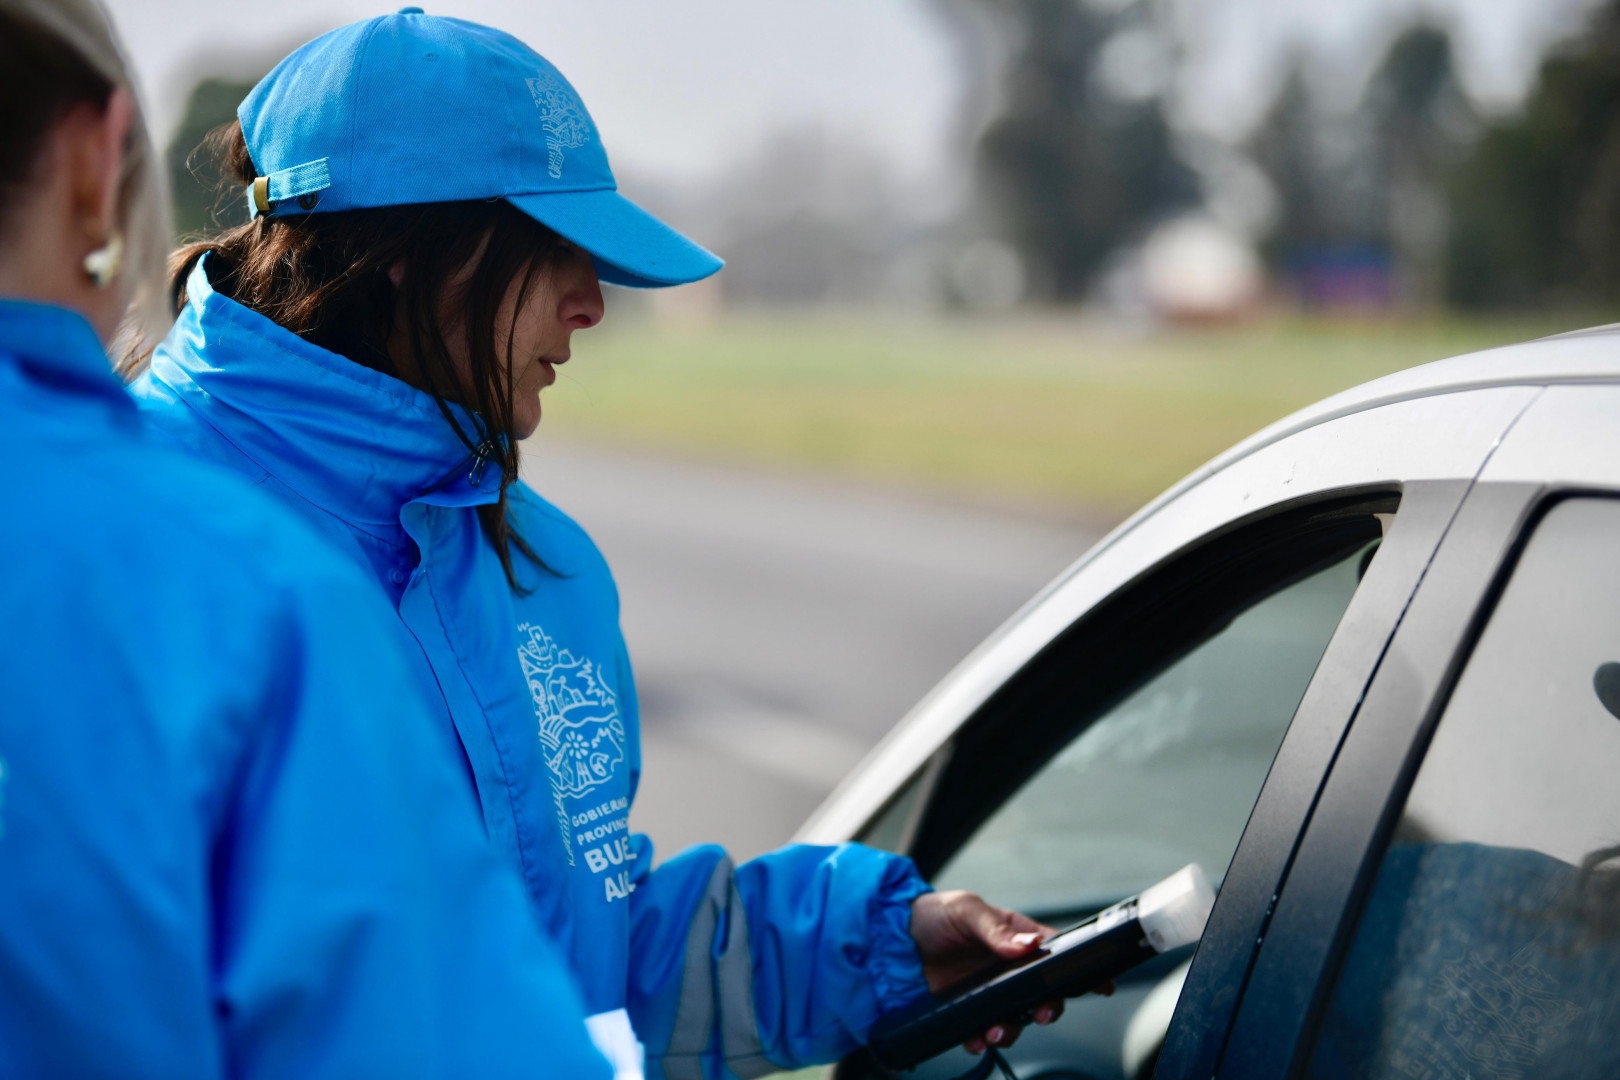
(41, 77)
(325, 277)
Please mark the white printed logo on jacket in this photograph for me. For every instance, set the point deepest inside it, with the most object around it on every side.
(583, 737)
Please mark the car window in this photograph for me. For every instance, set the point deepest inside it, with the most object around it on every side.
(1169, 774)
(1489, 946)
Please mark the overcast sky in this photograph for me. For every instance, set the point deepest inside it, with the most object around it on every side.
(684, 88)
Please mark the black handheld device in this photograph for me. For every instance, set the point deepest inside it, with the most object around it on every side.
(1163, 917)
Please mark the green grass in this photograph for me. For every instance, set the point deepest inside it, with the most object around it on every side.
(1042, 409)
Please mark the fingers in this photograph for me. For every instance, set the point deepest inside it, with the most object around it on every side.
(1000, 1036)
(1007, 933)
(955, 925)
(993, 927)
(958, 934)
(1021, 923)
(1022, 933)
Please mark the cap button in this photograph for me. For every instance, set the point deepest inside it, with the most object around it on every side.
(411, 11)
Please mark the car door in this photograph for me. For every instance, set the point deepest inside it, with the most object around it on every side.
(1453, 909)
(1142, 738)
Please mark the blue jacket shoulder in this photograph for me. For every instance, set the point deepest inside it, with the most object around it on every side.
(562, 544)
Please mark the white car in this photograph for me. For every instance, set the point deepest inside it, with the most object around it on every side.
(1364, 668)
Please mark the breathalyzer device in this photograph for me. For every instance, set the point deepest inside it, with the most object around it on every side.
(1162, 917)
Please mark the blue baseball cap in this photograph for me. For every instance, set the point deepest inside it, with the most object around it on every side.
(416, 108)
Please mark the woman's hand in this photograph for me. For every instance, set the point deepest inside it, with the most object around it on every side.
(958, 935)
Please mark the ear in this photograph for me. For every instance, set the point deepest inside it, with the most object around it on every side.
(396, 272)
(119, 119)
(100, 140)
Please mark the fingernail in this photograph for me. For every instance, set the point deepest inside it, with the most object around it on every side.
(1025, 939)
(995, 1034)
(1043, 1016)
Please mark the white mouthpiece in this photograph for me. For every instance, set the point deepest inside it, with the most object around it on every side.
(1173, 912)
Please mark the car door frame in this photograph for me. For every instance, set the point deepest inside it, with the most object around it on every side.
(1223, 964)
(1414, 533)
(1300, 946)
(1563, 444)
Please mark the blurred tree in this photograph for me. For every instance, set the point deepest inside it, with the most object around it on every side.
(1419, 123)
(1536, 207)
(200, 205)
(1078, 160)
(1361, 190)
(1286, 148)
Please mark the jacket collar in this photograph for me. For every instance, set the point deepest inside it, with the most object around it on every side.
(353, 441)
(61, 345)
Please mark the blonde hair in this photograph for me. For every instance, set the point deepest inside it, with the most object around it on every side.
(85, 28)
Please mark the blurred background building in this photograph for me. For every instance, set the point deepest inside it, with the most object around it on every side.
(998, 271)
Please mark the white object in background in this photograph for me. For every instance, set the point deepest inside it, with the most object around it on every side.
(1196, 268)
(616, 1039)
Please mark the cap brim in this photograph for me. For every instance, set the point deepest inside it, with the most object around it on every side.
(631, 246)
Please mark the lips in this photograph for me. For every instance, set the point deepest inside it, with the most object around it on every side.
(548, 364)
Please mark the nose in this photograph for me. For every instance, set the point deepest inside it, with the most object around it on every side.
(582, 306)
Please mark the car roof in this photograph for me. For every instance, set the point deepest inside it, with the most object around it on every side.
(1578, 356)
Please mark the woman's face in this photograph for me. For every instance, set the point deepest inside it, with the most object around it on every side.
(565, 298)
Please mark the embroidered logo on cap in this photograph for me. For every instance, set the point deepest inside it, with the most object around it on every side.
(562, 117)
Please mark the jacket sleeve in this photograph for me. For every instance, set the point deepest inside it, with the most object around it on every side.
(784, 962)
(366, 928)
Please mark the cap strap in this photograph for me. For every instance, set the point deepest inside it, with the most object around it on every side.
(300, 180)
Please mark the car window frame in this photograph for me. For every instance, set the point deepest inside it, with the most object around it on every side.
(1424, 510)
(1445, 434)
(1179, 604)
(1301, 945)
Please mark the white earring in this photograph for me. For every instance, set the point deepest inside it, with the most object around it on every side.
(104, 264)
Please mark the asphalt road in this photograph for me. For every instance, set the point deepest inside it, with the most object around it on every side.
(779, 625)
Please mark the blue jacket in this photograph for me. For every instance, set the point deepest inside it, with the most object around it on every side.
(785, 961)
(223, 850)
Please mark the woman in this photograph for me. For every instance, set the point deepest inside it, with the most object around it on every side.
(433, 212)
(217, 855)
